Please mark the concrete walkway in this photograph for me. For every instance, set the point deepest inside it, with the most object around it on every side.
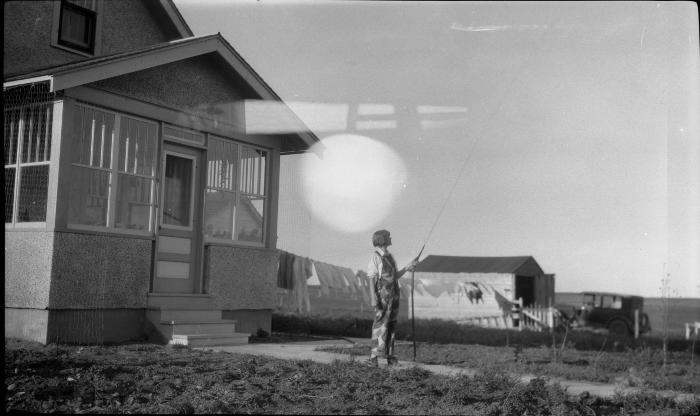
(306, 350)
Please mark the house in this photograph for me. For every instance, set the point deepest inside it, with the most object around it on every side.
(468, 289)
(141, 188)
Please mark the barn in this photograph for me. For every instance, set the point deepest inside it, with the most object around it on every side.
(465, 289)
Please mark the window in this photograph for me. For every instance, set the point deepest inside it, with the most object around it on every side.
(235, 198)
(76, 25)
(114, 170)
(27, 148)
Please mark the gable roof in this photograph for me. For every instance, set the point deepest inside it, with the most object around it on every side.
(103, 67)
(522, 265)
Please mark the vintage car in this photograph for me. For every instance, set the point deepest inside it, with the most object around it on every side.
(612, 311)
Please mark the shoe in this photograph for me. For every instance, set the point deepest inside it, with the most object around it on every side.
(392, 361)
(372, 362)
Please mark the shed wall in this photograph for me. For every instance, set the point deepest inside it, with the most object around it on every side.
(443, 295)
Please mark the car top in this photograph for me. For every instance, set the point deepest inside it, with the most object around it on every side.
(590, 292)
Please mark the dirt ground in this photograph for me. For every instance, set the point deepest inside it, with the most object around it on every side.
(147, 378)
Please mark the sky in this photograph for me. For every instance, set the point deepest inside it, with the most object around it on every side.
(564, 131)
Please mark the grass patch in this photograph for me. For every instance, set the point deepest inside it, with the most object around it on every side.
(130, 379)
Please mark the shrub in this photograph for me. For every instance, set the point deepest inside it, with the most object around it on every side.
(449, 332)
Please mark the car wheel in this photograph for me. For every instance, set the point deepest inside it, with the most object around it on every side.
(618, 327)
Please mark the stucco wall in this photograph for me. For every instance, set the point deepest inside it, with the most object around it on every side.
(28, 268)
(98, 271)
(197, 85)
(126, 24)
(241, 278)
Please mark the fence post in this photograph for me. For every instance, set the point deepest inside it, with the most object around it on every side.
(520, 314)
(636, 324)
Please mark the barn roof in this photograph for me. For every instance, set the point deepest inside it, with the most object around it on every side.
(520, 265)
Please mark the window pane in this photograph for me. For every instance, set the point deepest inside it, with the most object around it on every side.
(9, 193)
(137, 147)
(221, 165)
(11, 135)
(252, 171)
(34, 185)
(177, 194)
(36, 139)
(93, 132)
(77, 27)
(134, 203)
(218, 214)
(89, 196)
(249, 219)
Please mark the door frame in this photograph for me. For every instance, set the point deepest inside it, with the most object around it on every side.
(198, 157)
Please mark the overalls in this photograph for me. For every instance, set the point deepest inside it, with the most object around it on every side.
(386, 309)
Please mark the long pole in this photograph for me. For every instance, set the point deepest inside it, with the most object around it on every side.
(413, 315)
(413, 309)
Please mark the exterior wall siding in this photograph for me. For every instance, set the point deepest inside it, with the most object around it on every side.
(241, 278)
(28, 268)
(127, 24)
(195, 85)
(100, 271)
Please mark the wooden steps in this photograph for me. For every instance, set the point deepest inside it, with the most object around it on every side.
(190, 320)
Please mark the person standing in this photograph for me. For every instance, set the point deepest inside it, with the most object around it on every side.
(384, 276)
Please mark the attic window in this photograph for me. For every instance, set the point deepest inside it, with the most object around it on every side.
(77, 25)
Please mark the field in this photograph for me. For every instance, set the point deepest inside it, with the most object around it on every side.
(147, 378)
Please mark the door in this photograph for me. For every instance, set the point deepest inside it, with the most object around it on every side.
(178, 247)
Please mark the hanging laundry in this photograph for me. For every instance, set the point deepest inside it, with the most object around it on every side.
(435, 289)
(302, 271)
(503, 303)
(324, 276)
(350, 278)
(285, 271)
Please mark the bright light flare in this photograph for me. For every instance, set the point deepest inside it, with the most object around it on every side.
(351, 181)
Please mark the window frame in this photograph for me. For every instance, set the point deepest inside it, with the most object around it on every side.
(18, 164)
(114, 172)
(97, 15)
(238, 192)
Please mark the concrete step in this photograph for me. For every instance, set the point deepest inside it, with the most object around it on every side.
(210, 340)
(211, 327)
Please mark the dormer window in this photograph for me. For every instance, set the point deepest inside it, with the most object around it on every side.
(77, 26)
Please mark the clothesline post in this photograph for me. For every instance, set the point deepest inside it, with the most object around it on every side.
(413, 315)
(413, 310)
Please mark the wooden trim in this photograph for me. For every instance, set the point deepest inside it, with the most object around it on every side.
(272, 191)
(63, 162)
(54, 164)
(129, 63)
(56, 24)
(116, 234)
